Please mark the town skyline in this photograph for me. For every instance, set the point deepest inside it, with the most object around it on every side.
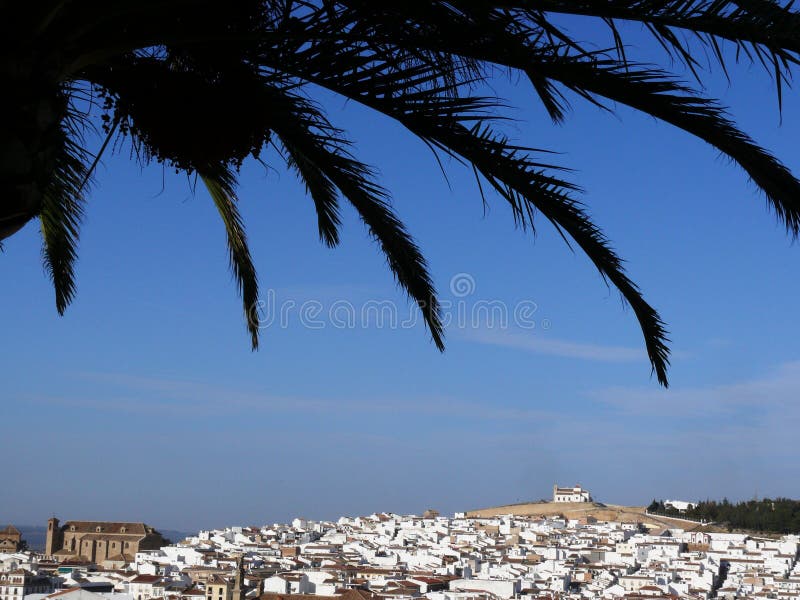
(562, 549)
(149, 376)
(566, 497)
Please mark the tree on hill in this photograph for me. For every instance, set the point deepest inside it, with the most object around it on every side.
(781, 515)
(201, 85)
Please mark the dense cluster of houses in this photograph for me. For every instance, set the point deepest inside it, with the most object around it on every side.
(430, 557)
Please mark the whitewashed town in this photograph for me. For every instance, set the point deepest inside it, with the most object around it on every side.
(386, 556)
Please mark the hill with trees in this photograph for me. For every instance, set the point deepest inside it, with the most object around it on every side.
(781, 515)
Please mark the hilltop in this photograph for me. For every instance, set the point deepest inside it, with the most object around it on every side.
(601, 512)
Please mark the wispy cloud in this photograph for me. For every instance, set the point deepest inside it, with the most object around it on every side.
(535, 341)
(136, 394)
(629, 445)
(775, 391)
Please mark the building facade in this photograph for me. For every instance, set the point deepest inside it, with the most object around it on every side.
(224, 588)
(680, 505)
(10, 539)
(16, 584)
(573, 494)
(144, 587)
(100, 541)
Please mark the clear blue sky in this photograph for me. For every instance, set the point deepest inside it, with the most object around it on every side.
(144, 402)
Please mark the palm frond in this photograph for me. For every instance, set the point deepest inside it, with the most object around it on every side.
(325, 154)
(220, 183)
(763, 30)
(246, 71)
(521, 180)
(594, 76)
(323, 192)
(654, 92)
(512, 176)
(60, 218)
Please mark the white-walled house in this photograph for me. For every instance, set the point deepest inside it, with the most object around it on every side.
(322, 583)
(288, 583)
(142, 587)
(573, 494)
(680, 505)
(498, 587)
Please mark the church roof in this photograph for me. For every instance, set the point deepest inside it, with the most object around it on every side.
(9, 530)
(127, 558)
(116, 527)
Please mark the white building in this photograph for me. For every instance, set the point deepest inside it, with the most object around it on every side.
(497, 587)
(288, 583)
(573, 494)
(680, 505)
(142, 587)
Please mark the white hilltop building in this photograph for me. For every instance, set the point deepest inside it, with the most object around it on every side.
(680, 505)
(573, 494)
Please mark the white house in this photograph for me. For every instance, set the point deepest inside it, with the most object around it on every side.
(496, 587)
(79, 594)
(680, 505)
(142, 587)
(288, 583)
(573, 494)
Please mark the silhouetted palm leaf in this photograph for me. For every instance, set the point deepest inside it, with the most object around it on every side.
(202, 85)
(220, 183)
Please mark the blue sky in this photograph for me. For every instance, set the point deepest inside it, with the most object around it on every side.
(144, 402)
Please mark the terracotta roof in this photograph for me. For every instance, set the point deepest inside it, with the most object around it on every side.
(344, 595)
(10, 530)
(146, 579)
(193, 591)
(106, 527)
(106, 537)
(120, 558)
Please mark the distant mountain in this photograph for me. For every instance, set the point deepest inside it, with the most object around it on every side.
(36, 535)
(174, 535)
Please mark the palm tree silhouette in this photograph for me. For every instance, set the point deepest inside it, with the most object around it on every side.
(201, 85)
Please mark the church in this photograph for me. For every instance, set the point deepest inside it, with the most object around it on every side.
(10, 539)
(573, 494)
(100, 542)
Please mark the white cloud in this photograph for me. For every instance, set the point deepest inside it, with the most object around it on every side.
(777, 390)
(534, 341)
(134, 394)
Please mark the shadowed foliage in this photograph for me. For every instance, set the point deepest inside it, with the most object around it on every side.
(202, 86)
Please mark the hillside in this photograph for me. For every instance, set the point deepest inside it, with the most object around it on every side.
(778, 515)
(601, 512)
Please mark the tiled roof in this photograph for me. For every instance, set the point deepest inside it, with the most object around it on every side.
(106, 527)
(146, 579)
